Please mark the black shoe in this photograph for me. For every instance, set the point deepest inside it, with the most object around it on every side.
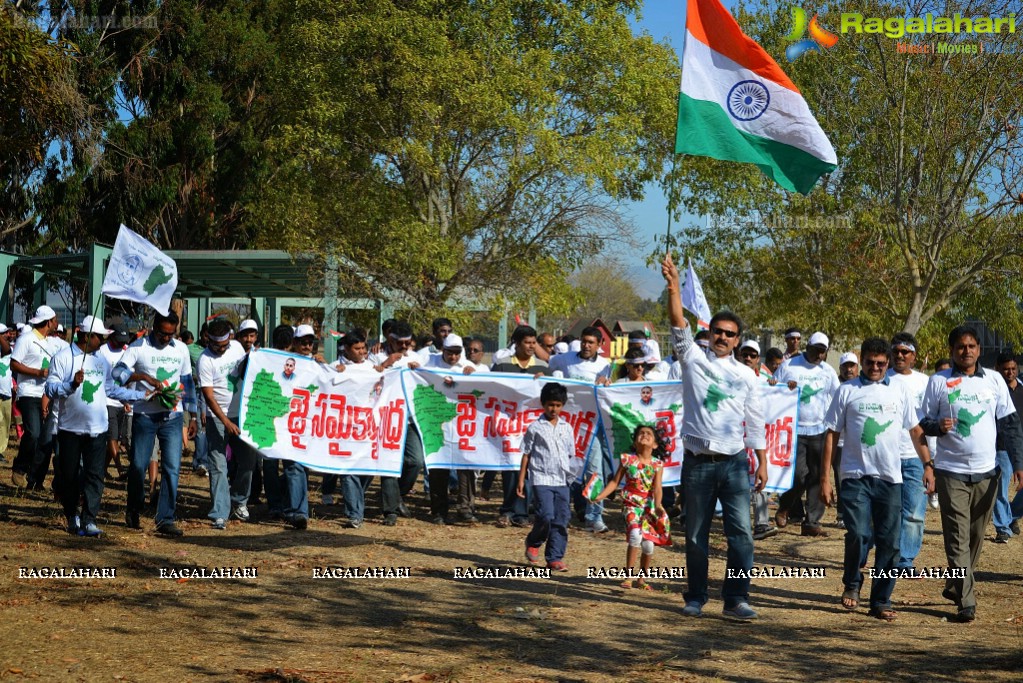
(299, 522)
(1002, 537)
(468, 518)
(949, 595)
(439, 520)
(391, 520)
(169, 529)
(403, 511)
(762, 532)
(1014, 527)
(965, 615)
(131, 520)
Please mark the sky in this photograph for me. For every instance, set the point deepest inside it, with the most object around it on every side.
(664, 20)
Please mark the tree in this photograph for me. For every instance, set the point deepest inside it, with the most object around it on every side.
(464, 149)
(919, 226)
(39, 105)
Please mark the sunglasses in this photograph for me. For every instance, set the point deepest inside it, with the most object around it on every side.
(750, 354)
(725, 333)
(901, 352)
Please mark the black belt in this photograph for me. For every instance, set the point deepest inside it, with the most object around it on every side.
(711, 457)
(4, 398)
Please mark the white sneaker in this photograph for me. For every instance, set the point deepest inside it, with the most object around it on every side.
(241, 512)
(932, 500)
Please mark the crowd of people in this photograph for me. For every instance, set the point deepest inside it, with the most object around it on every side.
(876, 438)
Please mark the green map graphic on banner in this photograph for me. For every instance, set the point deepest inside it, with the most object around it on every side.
(433, 410)
(266, 403)
(624, 420)
(157, 277)
(89, 391)
(873, 429)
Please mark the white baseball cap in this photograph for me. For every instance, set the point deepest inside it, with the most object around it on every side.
(819, 339)
(43, 313)
(93, 325)
(848, 357)
(652, 355)
(560, 347)
(247, 324)
(3, 328)
(452, 341)
(751, 344)
(304, 331)
(575, 346)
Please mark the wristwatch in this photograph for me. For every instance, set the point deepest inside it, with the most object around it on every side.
(929, 463)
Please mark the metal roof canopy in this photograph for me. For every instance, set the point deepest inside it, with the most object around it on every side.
(265, 273)
(269, 278)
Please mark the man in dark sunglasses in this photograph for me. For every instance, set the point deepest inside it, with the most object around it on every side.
(724, 415)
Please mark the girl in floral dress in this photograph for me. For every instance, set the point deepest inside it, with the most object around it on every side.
(642, 470)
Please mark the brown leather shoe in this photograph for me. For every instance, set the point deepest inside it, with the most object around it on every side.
(814, 531)
(781, 519)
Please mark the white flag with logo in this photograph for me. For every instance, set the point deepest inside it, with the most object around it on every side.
(138, 271)
(693, 299)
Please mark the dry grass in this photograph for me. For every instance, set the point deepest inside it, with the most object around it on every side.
(287, 627)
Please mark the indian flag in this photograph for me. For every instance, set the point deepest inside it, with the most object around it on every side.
(736, 104)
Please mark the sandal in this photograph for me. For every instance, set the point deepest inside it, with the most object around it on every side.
(627, 583)
(644, 586)
(851, 599)
(884, 614)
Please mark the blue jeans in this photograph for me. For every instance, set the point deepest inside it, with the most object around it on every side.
(1002, 515)
(295, 489)
(216, 463)
(707, 482)
(914, 507)
(872, 509)
(353, 488)
(145, 430)
(599, 462)
(513, 506)
(553, 512)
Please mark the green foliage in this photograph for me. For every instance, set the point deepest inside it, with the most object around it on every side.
(450, 151)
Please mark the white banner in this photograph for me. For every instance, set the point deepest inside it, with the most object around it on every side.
(625, 406)
(140, 272)
(477, 421)
(781, 415)
(339, 422)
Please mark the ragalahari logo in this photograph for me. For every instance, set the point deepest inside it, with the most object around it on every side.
(819, 37)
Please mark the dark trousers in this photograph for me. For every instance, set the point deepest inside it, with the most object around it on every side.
(553, 513)
(33, 459)
(81, 462)
(393, 488)
(965, 513)
(439, 501)
(808, 480)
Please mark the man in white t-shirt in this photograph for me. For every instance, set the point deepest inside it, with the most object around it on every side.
(117, 411)
(158, 361)
(30, 360)
(817, 383)
(397, 353)
(914, 499)
(79, 381)
(724, 416)
(220, 384)
(969, 408)
(876, 413)
(587, 365)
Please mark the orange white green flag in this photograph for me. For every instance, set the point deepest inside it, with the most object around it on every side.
(736, 104)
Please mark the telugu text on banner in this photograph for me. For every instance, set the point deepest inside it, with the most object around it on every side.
(625, 406)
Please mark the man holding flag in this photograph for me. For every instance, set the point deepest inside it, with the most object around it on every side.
(157, 361)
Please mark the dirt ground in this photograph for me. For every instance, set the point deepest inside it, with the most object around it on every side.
(287, 626)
